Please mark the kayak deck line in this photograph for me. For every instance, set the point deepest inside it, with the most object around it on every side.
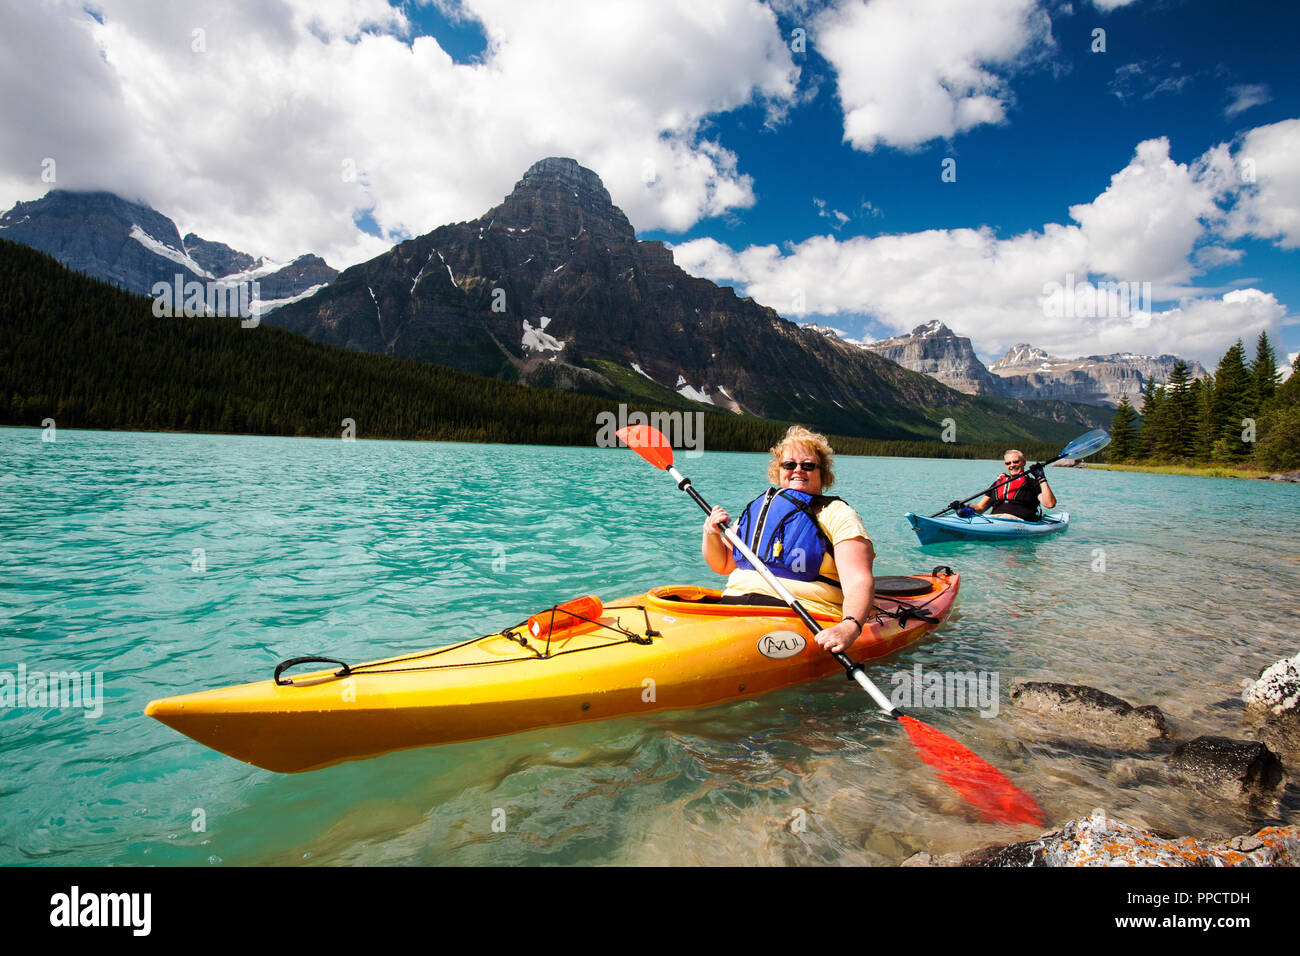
(703, 653)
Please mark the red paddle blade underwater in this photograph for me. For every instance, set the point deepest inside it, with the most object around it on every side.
(982, 784)
(649, 443)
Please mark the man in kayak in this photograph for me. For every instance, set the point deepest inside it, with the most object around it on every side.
(815, 543)
(1016, 494)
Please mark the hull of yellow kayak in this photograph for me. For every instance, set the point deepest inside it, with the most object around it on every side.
(668, 649)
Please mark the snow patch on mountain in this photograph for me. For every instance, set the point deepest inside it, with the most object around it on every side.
(694, 394)
(538, 340)
(167, 252)
(264, 267)
(263, 306)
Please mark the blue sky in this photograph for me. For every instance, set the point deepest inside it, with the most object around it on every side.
(791, 148)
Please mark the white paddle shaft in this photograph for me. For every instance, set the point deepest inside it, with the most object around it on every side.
(784, 593)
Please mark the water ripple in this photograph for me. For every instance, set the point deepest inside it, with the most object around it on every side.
(171, 563)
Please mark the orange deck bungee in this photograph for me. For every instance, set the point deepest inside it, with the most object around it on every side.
(668, 649)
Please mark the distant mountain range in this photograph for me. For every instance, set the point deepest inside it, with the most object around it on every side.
(551, 288)
(134, 246)
(1025, 372)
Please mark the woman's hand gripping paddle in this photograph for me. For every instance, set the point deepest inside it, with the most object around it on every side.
(982, 784)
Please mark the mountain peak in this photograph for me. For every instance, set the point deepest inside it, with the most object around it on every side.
(933, 327)
(135, 246)
(934, 349)
(563, 200)
(562, 169)
(1022, 353)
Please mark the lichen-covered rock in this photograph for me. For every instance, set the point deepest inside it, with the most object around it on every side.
(1277, 691)
(1246, 766)
(1091, 713)
(1098, 841)
(1273, 706)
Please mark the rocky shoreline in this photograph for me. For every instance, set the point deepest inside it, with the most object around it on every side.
(1249, 770)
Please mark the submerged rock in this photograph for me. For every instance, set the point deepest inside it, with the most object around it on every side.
(1273, 704)
(1091, 713)
(1246, 766)
(1099, 841)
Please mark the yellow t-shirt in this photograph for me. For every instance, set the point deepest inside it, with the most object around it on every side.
(841, 523)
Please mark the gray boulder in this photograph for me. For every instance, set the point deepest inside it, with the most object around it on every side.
(1246, 767)
(1091, 714)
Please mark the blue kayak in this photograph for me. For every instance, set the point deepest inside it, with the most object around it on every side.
(983, 527)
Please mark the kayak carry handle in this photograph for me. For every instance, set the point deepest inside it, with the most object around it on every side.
(293, 662)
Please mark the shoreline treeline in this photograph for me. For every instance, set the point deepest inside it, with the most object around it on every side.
(89, 355)
(1242, 414)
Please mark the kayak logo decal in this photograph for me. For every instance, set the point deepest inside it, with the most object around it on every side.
(781, 644)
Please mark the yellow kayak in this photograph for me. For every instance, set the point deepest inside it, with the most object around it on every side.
(668, 649)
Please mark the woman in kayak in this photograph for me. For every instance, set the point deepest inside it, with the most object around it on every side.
(815, 543)
(1016, 494)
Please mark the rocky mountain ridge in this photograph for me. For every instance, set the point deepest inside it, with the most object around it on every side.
(1025, 371)
(551, 287)
(1029, 372)
(935, 350)
(134, 246)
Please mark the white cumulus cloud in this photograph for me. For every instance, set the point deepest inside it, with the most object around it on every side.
(1269, 176)
(909, 71)
(1146, 223)
(274, 125)
(1148, 230)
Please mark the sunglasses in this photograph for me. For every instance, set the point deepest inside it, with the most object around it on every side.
(1009, 463)
(803, 465)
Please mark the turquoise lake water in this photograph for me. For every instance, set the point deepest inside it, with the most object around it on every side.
(174, 563)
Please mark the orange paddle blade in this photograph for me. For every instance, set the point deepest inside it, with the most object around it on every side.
(987, 789)
(649, 443)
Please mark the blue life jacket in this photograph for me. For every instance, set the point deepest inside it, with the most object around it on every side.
(781, 527)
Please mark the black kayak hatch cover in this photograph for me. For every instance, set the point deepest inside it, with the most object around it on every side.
(901, 586)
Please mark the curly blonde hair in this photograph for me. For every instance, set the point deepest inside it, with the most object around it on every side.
(797, 436)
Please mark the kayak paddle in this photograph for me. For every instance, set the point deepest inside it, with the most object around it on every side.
(1081, 447)
(982, 784)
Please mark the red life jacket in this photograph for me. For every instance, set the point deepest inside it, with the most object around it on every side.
(1018, 497)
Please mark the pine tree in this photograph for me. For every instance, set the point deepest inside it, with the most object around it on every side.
(1234, 392)
(1204, 447)
(1279, 426)
(1152, 406)
(1178, 426)
(1124, 443)
(1264, 372)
